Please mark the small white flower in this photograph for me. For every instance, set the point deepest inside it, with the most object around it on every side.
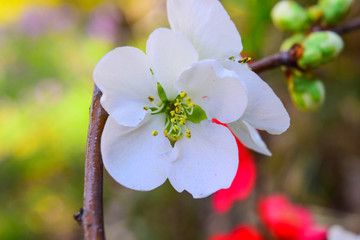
(338, 233)
(161, 104)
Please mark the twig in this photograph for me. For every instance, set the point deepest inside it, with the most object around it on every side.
(290, 57)
(349, 26)
(92, 216)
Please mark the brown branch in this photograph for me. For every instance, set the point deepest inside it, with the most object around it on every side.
(91, 217)
(349, 26)
(289, 58)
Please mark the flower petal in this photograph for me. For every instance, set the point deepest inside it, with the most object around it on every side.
(170, 53)
(249, 136)
(207, 25)
(123, 76)
(207, 162)
(133, 156)
(241, 186)
(264, 111)
(215, 89)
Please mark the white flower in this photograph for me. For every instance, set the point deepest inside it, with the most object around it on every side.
(161, 104)
(338, 233)
(207, 25)
(204, 157)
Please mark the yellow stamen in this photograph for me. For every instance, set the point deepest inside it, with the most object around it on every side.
(176, 128)
(146, 108)
(172, 113)
(183, 94)
(151, 99)
(187, 131)
(166, 133)
(173, 120)
(154, 133)
(182, 123)
(188, 100)
(191, 104)
(178, 110)
(178, 100)
(188, 135)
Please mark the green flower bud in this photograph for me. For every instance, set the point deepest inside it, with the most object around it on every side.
(334, 10)
(307, 92)
(320, 48)
(290, 16)
(311, 58)
(289, 42)
(315, 13)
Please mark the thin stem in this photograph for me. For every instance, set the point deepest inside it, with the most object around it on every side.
(349, 26)
(91, 216)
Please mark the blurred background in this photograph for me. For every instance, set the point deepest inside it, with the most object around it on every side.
(48, 50)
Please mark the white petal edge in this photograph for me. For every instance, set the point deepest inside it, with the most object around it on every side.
(123, 76)
(169, 53)
(264, 111)
(215, 89)
(337, 232)
(207, 162)
(207, 25)
(249, 136)
(133, 156)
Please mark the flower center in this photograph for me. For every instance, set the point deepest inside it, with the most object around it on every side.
(177, 112)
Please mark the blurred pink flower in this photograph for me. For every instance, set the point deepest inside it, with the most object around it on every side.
(242, 184)
(37, 21)
(242, 232)
(287, 221)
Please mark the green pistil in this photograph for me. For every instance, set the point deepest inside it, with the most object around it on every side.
(177, 112)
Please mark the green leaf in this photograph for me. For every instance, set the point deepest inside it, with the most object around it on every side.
(197, 115)
(161, 93)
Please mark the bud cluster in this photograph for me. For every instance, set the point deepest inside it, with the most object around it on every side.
(289, 16)
(317, 47)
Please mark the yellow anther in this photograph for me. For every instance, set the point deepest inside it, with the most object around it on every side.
(177, 117)
(188, 100)
(145, 108)
(191, 104)
(182, 123)
(183, 94)
(154, 133)
(178, 100)
(177, 104)
(176, 128)
(166, 133)
(183, 118)
(187, 131)
(151, 99)
(172, 113)
(188, 135)
(173, 120)
(178, 109)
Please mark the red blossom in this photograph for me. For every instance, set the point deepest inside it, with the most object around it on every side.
(287, 221)
(242, 232)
